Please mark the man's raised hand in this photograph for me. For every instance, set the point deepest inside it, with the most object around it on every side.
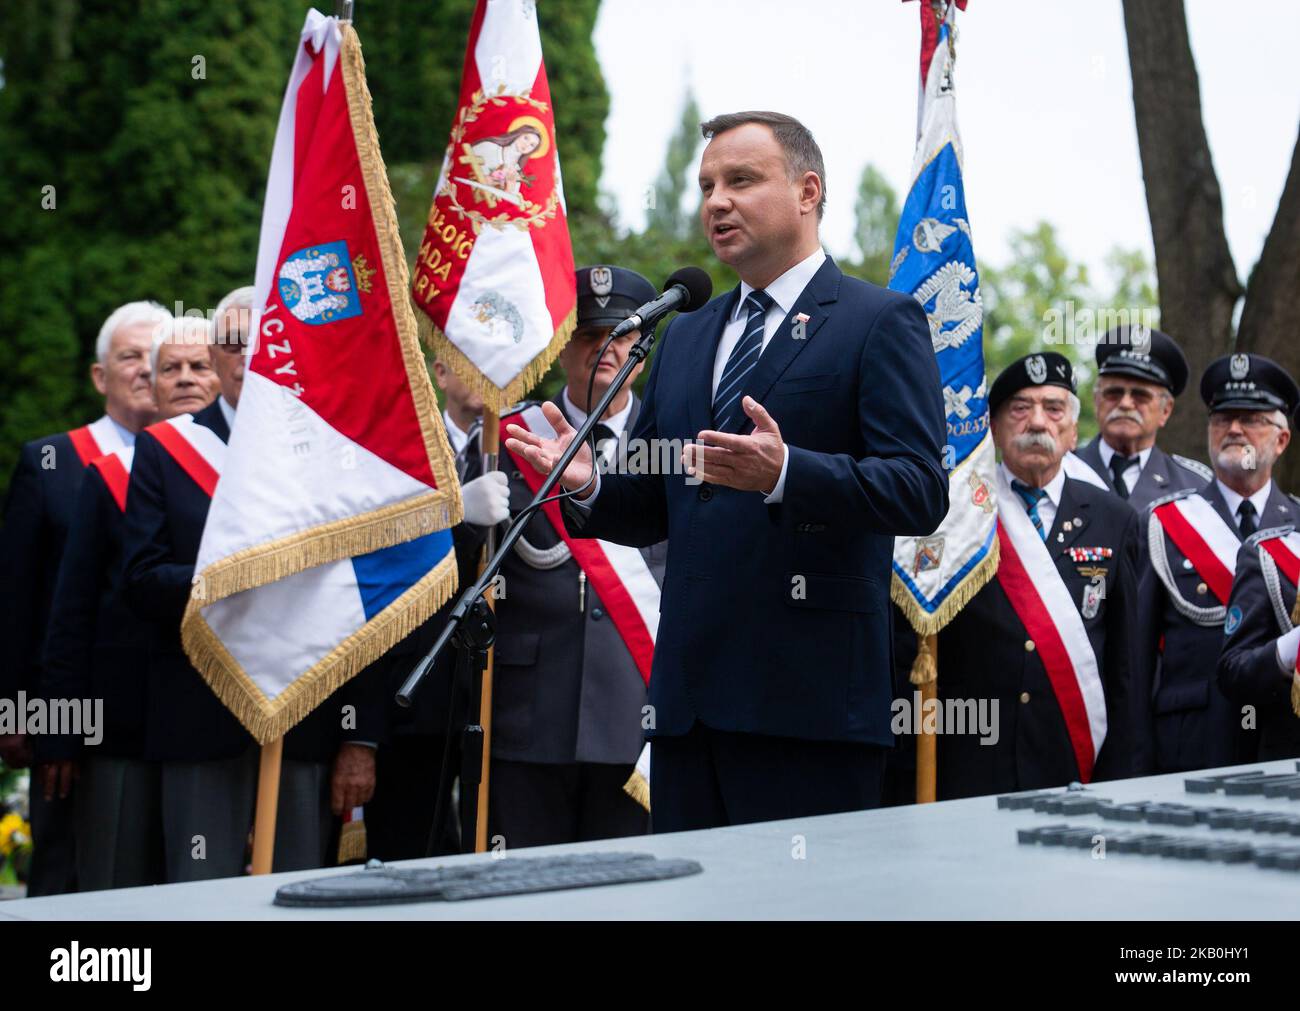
(543, 453)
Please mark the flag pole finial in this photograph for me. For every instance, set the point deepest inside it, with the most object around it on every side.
(343, 10)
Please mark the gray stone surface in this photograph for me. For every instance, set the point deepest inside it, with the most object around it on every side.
(955, 860)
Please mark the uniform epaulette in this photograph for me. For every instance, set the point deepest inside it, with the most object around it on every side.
(1173, 496)
(516, 408)
(1195, 466)
(1269, 534)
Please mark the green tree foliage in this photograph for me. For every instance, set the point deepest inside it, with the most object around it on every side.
(146, 127)
(875, 225)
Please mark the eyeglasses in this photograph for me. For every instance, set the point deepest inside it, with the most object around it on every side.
(1250, 422)
(1140, 395)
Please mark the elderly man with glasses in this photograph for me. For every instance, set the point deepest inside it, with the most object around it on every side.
(1139, 373)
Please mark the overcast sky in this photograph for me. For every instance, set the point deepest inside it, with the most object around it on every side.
(1043, 100)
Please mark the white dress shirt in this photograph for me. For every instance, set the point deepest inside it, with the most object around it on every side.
(227, 412)
(1046, 507)
(1131, 474)
(784, 291)
(455, 436)
(615, 422)
(1259, 500)
(127, 436)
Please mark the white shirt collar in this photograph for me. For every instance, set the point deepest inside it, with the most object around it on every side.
(128, 436)
(455, 436)
(227, 412)
(1054, 487)
(1107, 451)
(1259, 500)
(787, 288)
(616, 422)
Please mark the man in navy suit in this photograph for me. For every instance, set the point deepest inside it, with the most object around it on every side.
(37, 517)
(816, 404)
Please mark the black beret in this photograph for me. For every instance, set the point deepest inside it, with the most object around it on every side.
(1044, 369)
(1245, 382)
(1143, 353)
(609, 295)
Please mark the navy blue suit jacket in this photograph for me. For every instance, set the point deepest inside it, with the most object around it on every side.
(38, 512)
(165, 514)
(775, 619)
(96, 648)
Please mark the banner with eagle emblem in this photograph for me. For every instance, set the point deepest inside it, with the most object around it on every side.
(934, 261)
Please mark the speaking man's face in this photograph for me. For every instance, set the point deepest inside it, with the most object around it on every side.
(749, 206)
(186, 381)
(1034, 429)
(123, 378)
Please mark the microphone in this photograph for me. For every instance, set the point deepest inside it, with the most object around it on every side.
(687, 290)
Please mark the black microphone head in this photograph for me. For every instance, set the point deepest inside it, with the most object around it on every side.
(698, 285)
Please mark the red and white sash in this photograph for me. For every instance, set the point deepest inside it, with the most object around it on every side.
(618, 573)
(1204, 538)
(115, 469)
(197, 449)
(97, 439)
(1049, 614)
(1285, 551)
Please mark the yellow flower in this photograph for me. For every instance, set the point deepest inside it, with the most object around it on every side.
(11, 826)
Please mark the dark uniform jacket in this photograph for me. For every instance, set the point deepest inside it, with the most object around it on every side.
(165, 513)
(1259, 612)
(96, 647)
(985, 653)
(565, 688)
(38, 513)
(1183, 720)
(1164, 473)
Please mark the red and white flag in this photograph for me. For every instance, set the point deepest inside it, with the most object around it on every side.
(326, 541)
(495, 270)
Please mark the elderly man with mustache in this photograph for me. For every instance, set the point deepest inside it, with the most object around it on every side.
(1184, 721)
(1139, 373)
(1046, 644)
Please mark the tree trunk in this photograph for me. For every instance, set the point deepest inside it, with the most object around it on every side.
(1270, 319)
(1197, 278)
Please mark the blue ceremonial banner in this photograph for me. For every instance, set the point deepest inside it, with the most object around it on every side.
(934, 261)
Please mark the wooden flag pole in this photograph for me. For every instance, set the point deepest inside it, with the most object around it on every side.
(491, 444)
(268, 799)
(926, 767)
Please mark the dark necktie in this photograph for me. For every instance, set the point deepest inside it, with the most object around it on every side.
(727, 410)
(469, 461)
(601, 432)
(1249, 524)
(1031, 497)
(1119, 464)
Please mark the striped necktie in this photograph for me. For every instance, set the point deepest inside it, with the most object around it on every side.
(727, 409)
(1031, 497)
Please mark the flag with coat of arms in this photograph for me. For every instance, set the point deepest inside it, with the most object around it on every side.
(327, 540)
(934, 261)
(494, 274)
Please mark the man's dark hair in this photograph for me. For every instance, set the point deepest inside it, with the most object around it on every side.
(801, 152)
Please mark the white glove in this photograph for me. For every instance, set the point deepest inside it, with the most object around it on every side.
(487, 499)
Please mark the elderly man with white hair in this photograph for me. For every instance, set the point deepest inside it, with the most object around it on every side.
(208, 761)
(1195, 538)
(98, 650)
(1034, 670)
(36, 521)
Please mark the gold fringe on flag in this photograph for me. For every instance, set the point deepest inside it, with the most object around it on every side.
(638, 789)
(265, 718)
(1295, 674)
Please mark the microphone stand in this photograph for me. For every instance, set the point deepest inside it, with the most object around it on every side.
(471, 626)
